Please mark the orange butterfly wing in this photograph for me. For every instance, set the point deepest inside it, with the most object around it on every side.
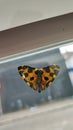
(49, 75)
(28, 74)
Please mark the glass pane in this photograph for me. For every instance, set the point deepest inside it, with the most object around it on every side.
(15, 93)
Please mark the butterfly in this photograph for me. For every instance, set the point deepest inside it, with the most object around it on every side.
(39, 78)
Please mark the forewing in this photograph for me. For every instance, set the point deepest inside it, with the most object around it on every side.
(27, 73)
(49, 74)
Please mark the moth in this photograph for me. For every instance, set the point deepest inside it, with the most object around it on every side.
(39, 78)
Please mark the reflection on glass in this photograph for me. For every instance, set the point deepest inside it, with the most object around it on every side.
(16, 95)
(67, 52)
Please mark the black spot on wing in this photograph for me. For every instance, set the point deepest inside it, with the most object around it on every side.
(30, 69)
(51, 74)
(56, 67)
(47, 69)
(25, 67)
(31, 78)
(21, 73)
(46, 78)
(26, 74)
(20, 68)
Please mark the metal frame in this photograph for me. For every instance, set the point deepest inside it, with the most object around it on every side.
(35, 35)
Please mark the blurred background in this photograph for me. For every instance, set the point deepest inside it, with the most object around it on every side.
(54, 105)
(38, 34)
(16, 95)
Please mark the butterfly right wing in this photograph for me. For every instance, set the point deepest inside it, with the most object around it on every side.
(49, 75)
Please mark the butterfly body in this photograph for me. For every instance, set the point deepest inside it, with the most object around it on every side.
(38, 78)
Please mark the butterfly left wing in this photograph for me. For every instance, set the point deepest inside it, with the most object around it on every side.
(27, 73)
(49, 74)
